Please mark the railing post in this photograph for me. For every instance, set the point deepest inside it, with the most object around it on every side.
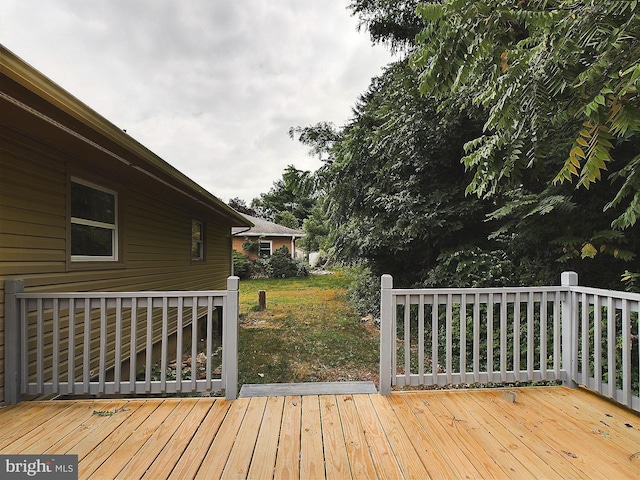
(12, 341)
(230, 339)
(386, 340)
(569, 329)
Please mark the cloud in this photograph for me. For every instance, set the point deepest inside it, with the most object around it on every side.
(212, 87)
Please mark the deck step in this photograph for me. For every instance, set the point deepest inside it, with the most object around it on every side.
(322, 388)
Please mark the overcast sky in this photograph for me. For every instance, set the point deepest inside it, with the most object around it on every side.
(211, 86)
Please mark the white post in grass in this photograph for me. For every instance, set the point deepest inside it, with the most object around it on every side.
(569, 330)
(230, 340)
(386, 334)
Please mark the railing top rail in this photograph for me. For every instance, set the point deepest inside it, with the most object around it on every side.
(478, 290)
(98, 295)
(606, 293)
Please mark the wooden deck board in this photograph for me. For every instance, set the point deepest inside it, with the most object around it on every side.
(335, 450)
(311, 454)
(288, 456)
(264, 456)
(549, 432)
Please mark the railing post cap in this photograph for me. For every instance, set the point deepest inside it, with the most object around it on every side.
(233, 283)
(569, 279)
(386, 281)
(13, 285)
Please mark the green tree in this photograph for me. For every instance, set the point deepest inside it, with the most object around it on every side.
(286, 219)
(390, 22)
(394, 182)
(240, 205)
(559, 79)
(293, 193)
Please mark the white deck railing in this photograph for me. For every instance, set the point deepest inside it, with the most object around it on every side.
(119, 342)
(524, 334)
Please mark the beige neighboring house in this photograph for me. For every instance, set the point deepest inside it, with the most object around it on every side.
(268, 235)
(84, 207)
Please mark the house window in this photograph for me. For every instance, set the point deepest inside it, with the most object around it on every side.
(94, 232)
(197, 240)
(265, 248)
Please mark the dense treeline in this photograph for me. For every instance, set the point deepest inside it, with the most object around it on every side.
(501, 148)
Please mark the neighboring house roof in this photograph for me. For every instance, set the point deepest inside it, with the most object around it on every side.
(265, 228)
(62, 114)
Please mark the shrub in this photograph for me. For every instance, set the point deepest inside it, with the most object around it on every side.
(364, 292)
(241, 264)
(279, 265)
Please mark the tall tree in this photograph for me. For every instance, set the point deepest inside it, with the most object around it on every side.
(394, 181)
(390, 22)
(293, 193)
(239, 205)
(542, 67)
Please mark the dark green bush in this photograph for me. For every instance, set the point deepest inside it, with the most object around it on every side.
(241, 264)
(279, 265)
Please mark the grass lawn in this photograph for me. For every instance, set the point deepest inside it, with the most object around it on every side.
(308, 333)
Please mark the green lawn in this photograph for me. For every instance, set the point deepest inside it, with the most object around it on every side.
(308, 333)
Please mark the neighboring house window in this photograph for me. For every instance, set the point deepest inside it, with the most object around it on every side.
(94, 230)
(197, 240)
(265, 248)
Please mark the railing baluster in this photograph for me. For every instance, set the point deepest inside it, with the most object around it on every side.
(103, 345)
(476, 338)
(133, 347)
(421, 351)
(39, 346)
(449, 333)
(611, 347)
(463, 338)
(86, 373)
(118, 346)
(626, 353)
(516, 336)
(194, 342)
(179, 326)
(557, 329)
(434, 339)
(543, 335)
(530, 347)
(148, 346)
(407, 340)
(490, 337)
(163, 344)
(597, 342)
(24, 328)
(503, 337)
(71, 353)
(209, 341)
(56, 345)
(584, 303)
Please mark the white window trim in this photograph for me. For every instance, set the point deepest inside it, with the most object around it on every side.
(113, 227)
(201, 241)
(270, 242)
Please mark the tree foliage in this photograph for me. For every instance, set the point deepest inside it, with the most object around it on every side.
(239, 205)
(294, 193)
(559, 79)
(394, 182)
(390, 22)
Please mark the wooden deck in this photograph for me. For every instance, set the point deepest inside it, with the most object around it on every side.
(547, 433)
